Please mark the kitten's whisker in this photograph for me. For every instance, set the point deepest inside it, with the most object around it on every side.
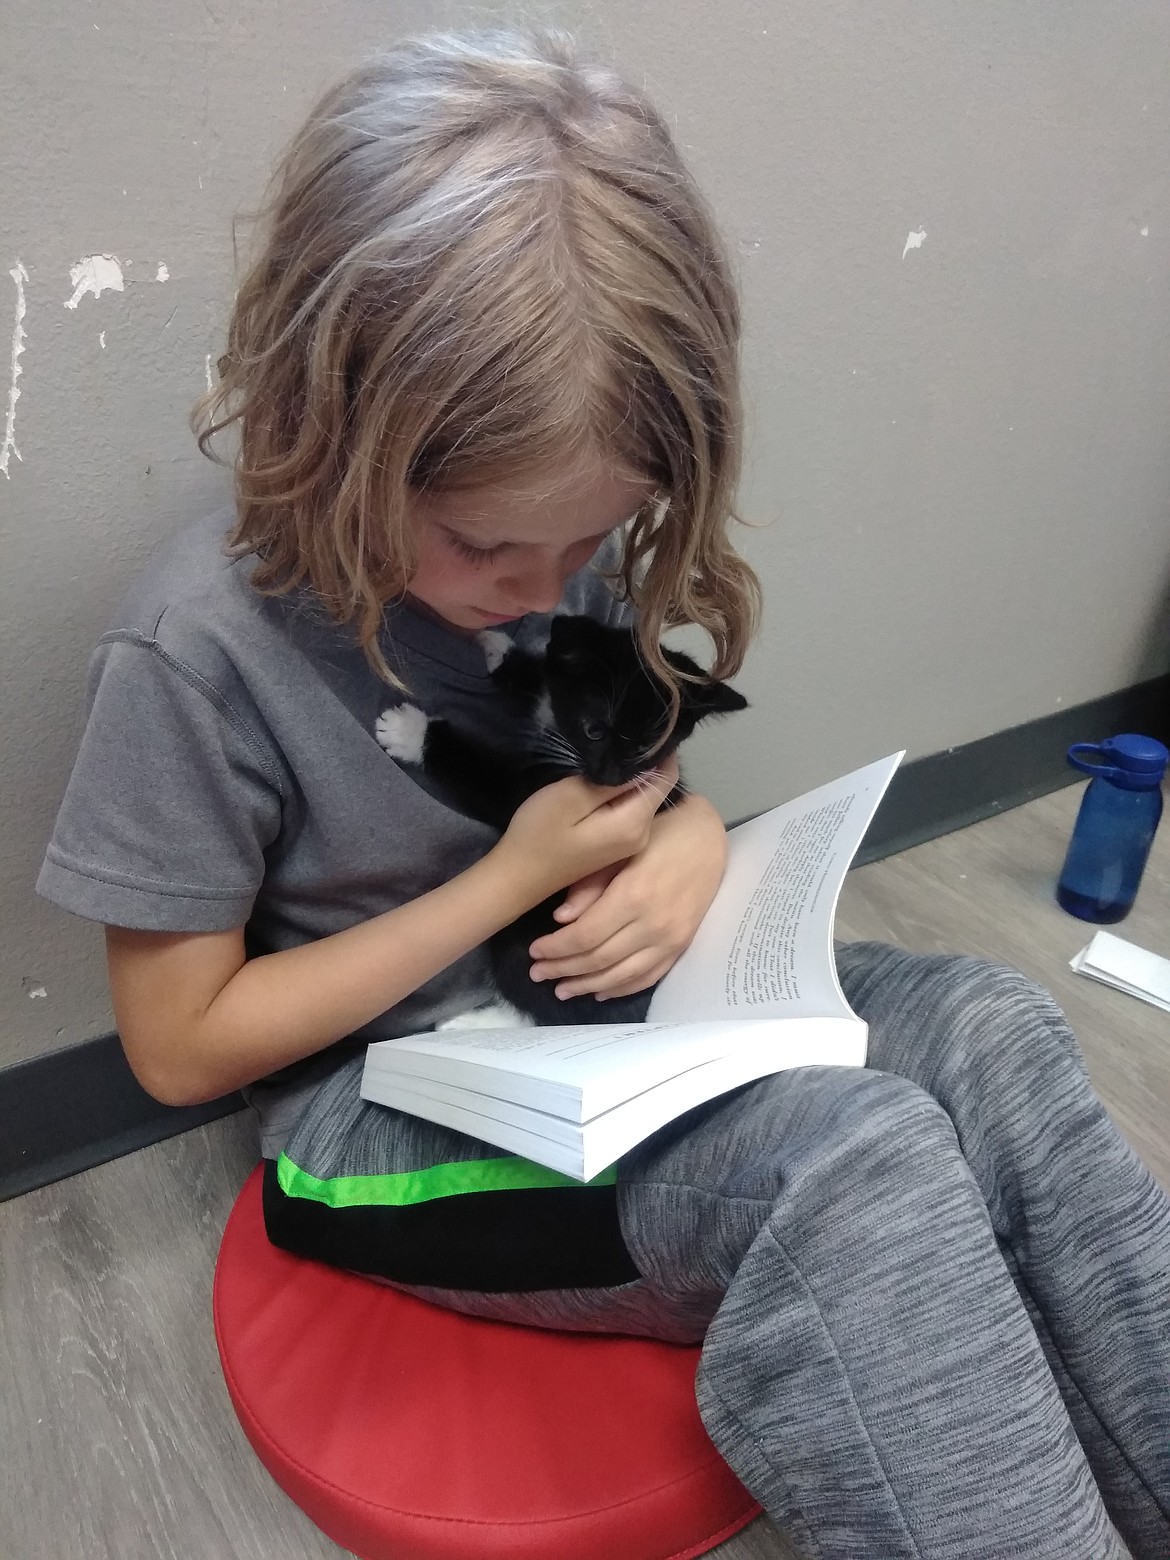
(565, 757)
(539, 734)
(557, 749)
(648, 779)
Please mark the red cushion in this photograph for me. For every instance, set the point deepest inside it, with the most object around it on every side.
(408, 1432)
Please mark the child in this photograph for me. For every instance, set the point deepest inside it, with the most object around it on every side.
(490, 326)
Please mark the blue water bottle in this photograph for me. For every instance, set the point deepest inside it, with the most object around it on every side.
(1115, 826)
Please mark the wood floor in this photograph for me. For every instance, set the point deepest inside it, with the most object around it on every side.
(118, 1439)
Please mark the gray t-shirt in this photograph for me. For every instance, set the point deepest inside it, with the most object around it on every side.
(229, 775)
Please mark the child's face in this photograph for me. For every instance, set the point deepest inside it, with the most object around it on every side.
(489, 555)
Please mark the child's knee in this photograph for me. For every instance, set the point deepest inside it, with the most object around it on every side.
(928, 1013)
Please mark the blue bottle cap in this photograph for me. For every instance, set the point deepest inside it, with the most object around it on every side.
(1134, 761)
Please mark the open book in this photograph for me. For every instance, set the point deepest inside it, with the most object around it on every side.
(755, 993)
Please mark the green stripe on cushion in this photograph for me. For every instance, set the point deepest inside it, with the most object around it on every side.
(416, 1186)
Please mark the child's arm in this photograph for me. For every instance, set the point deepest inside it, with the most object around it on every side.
(196, 1020)
(625, 928)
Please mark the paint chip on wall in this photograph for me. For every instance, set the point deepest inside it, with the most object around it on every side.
(914, 241)
(19, 275)
(94, 274)
(162, 274)
(102, 339)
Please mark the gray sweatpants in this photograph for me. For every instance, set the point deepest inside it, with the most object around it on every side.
(933, 1294)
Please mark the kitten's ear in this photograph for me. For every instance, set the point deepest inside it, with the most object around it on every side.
(719, 698)
(705, 698)
(682, 663)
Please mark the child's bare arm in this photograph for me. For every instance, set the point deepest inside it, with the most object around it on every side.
(197, 1020)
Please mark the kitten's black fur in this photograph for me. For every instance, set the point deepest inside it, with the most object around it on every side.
(592, 707)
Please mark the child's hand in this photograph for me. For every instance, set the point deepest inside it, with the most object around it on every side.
(571, 829)
(628, 924)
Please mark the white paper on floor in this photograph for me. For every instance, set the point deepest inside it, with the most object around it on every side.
(1128, 968)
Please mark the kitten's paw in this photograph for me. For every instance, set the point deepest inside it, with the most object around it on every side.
(402, 730)
(496, 1015)
(495, 646)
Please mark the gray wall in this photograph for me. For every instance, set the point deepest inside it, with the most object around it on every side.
(961, 448)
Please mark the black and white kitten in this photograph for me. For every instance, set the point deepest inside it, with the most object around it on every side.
(588, 706)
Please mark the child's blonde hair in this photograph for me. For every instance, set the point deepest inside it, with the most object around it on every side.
(482, 255)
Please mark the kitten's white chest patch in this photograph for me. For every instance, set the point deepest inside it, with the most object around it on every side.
(493, 1015)
(402, 730)
(495, 646)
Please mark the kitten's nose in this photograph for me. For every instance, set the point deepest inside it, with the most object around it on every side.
(614, 774)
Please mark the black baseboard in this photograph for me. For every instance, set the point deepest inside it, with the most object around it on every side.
(81, 1106)
(78, 1107)
(947, 791)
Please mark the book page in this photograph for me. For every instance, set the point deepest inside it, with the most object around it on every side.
(765, 947)
(577, 1070)
(514, 1047)
(583, 1147)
